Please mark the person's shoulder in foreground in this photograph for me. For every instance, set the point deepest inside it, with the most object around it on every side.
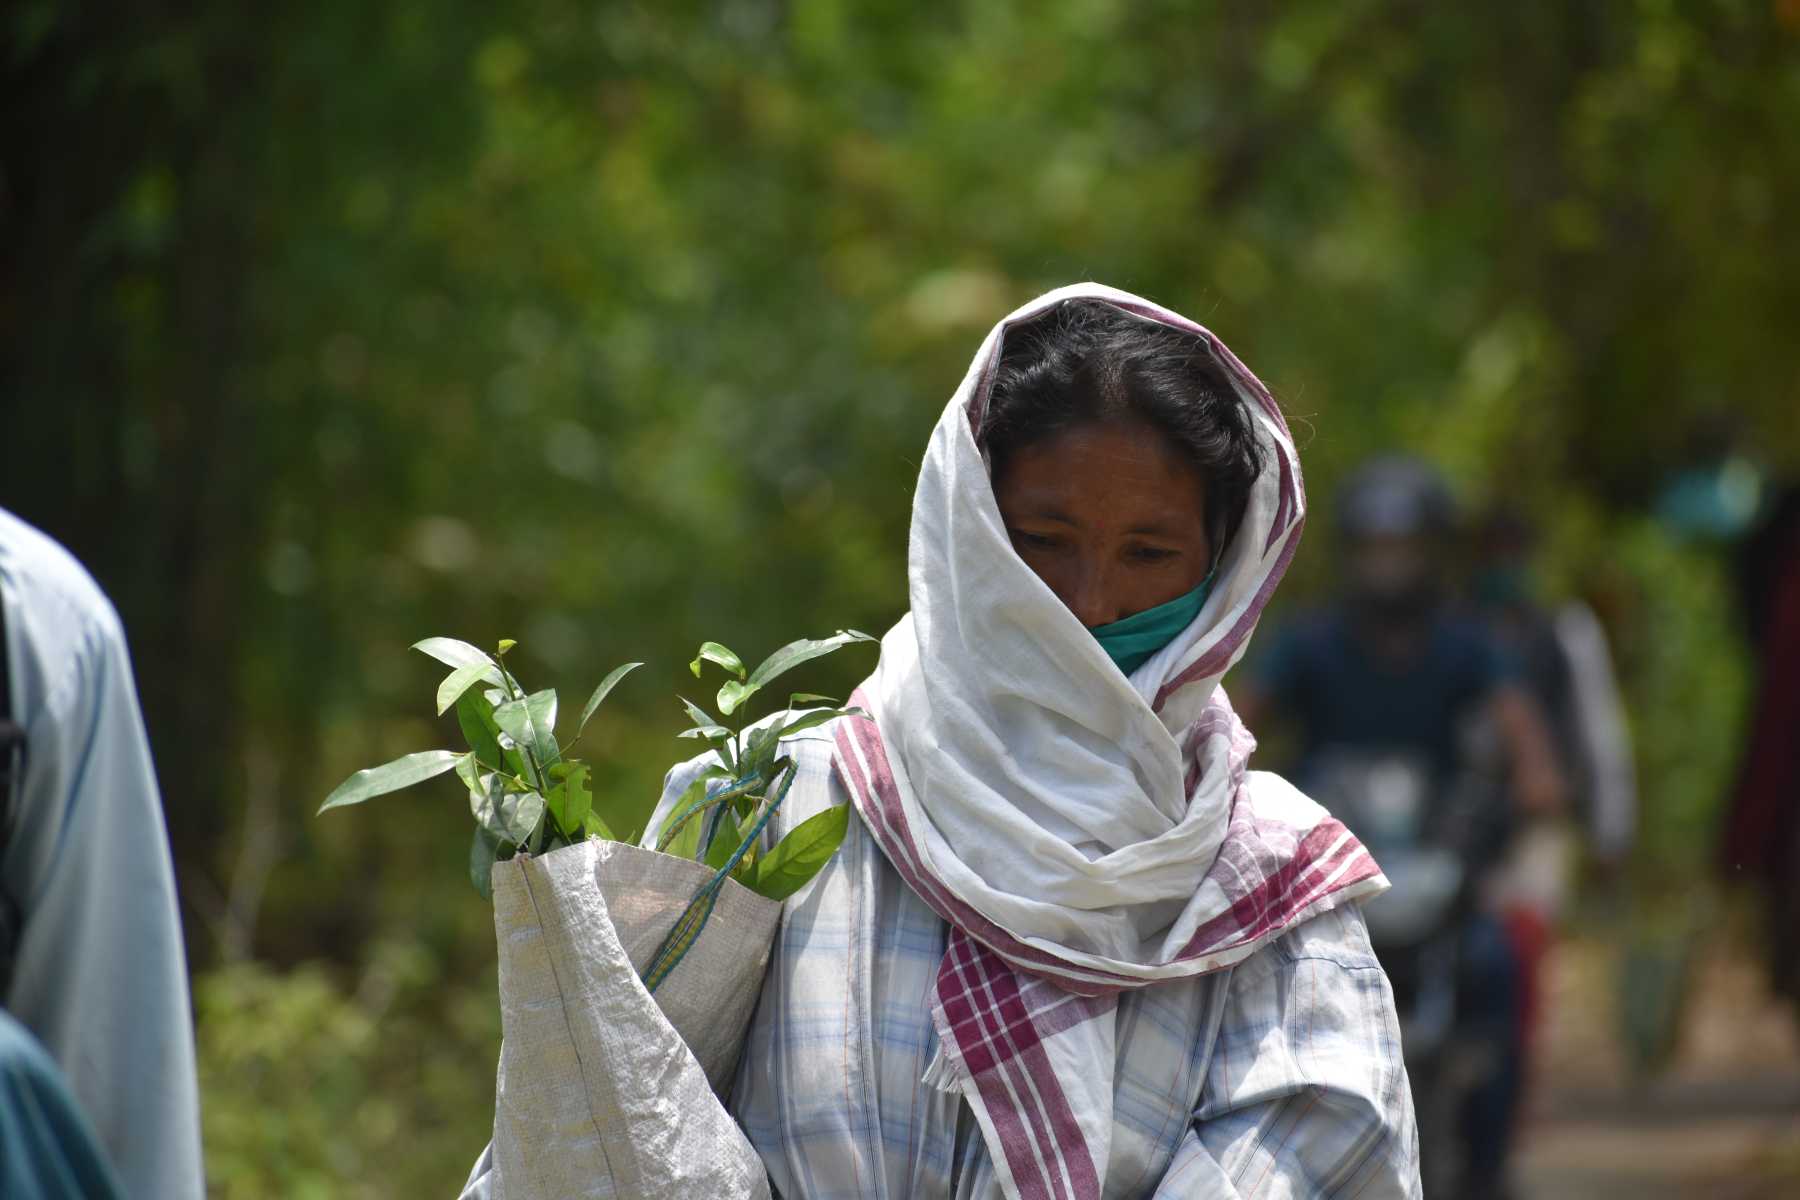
(61, 607)
(99, 973)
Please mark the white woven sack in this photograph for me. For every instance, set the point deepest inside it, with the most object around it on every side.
(604, 1090)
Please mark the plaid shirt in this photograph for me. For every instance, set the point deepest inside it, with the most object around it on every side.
(1280, 1077)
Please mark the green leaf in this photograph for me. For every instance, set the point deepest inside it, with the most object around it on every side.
(699, 716)
(759, 752)
(799, 856)
(453, 653)
(468, 769)
(818, 716)
(716, 735)
(484, 851)
(461, 680)
(390, 777)
(694, 805)
(529, 722)
(512, 816)
(606, 685)
(553, 804)
(685, 830)
(732, 694)
(714, 653)
(570, 801)
(789, 657)
(802, 699)
(476, 718)
(745, 871)
(505, 645)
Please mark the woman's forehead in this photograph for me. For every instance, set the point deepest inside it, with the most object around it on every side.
(1116, 472)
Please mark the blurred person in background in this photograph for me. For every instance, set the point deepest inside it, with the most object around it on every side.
(1762, 830)
(93, 965)
(1563, 659)
(1389, 669)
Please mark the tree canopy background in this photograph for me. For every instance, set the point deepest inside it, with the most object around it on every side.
(614, 327)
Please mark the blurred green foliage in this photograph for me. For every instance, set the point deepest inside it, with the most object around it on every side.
(318, 1088)
(612, 326)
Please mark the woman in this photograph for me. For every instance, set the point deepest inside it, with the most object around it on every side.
(1073, 948)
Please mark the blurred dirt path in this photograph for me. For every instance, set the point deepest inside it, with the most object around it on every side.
(1722, 1122)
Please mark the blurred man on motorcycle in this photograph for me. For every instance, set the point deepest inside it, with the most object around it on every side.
(1389, 674)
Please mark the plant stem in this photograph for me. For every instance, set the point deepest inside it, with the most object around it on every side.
(541, 834)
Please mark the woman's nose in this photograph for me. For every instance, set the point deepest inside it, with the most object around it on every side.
(1087, 598)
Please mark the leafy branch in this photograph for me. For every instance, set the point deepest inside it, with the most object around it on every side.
(527, 794)
(719, 818)
(524, 792)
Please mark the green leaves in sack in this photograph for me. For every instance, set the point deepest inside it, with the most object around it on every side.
(569, 801)
(524, 792)
(461, 680)
(735, 692)
(681, 836)
(475, 717)
(508, 814)
(484, 851)
(712, 826)
(801, 854)
(529, 722)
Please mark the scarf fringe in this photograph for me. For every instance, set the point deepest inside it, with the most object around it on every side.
(943, 1074)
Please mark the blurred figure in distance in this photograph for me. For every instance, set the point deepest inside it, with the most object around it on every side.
(1389, 669)
(1564, 660)
(1762, 827)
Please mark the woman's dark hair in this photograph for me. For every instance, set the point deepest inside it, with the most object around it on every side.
(1087, 361)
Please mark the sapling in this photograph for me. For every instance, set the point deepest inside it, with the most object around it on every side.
(525, 792)
(528, 795)
(719, 819)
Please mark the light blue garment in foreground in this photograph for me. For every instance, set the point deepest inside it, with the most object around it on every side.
(100, 977)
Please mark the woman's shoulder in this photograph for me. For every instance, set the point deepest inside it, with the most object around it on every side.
(1312, 1008)
(1339, 936)
(1332, 944)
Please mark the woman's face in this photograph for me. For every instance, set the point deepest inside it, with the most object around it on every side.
(1110, 515)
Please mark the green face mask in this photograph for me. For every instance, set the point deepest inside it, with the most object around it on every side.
(1131, 642)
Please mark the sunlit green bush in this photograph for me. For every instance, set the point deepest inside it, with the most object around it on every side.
(315, 1085)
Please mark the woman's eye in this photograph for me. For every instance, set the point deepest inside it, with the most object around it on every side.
(1152, 554)
(1035, 541)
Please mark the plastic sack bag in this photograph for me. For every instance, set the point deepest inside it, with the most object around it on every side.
(604, 1089)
